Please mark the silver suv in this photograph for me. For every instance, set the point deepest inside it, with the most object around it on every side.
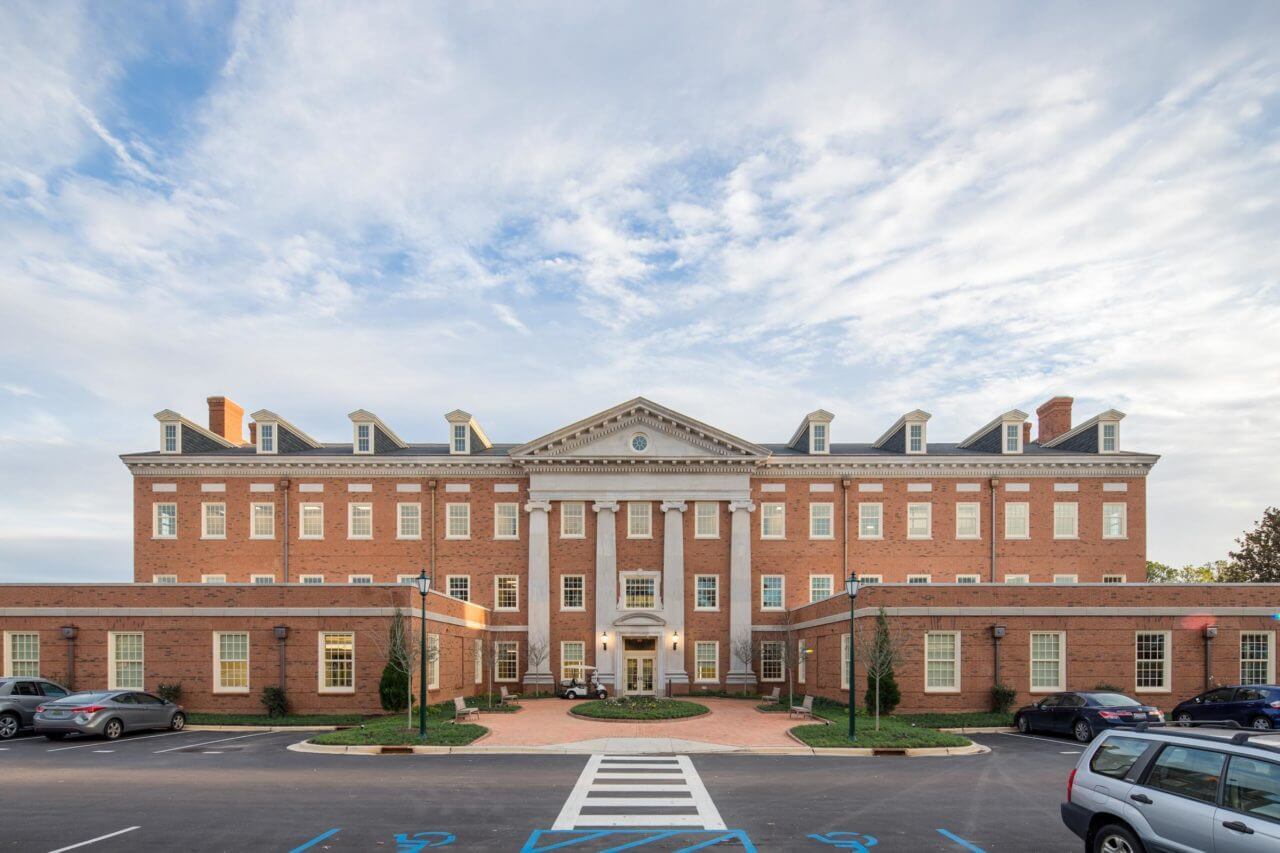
(18, 700)
(1214, 789)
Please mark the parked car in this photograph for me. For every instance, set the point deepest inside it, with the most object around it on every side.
(18, 700)
(108, 713)
(1172, 788)
(1083, 714)
(1253, 705)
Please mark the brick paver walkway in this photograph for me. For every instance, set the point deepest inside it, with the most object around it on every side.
(731, 723)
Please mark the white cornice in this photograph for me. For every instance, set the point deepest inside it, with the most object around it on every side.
(164, 466)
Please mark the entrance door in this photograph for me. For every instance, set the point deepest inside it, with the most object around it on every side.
(639, 679)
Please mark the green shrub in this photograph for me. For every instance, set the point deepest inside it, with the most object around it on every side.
(170, 692)
(1107, 688)
(393, 689)
(1002, 698)
(275, 702)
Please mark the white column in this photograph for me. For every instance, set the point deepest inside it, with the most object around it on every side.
(673, 590)
(538, 605)
(740, 590)
(606, 592)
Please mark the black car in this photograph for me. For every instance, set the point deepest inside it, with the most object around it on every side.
(1254, 705)
(1083, 714)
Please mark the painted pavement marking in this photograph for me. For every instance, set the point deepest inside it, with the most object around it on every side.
(603, 777)
(967, 845)
(121, 742)
(207, 742)
(96, 840)
(617, 840)
(307, 845)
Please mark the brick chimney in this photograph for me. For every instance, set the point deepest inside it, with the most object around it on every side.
(1054, 417)
(1026, 433)
(226, 419)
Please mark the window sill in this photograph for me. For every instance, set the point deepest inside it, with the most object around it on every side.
(162, 538)
(231, 691)
(1065, 538)
(969, 538)
(831, 537)
(874, 538)
(506, 538)
(920, 538)
(646, 536)
(764, 538)
(336, 691)
(706, 681)
(573, 536)
(942, 690)
(706, 609)
(764, 609)
(359, 538)
(706, 536)
(1155, 690)
(449, 538)
(213, 538)
(1016, 538)
(506, 610)
(310, 538)
(573, 610)
(1039, 690)
(262, 538)
(1115, 538)
(408, 538)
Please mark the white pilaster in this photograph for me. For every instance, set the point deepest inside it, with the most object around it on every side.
(740, 590)
(538, 605)
(673, 590)
(606, 593)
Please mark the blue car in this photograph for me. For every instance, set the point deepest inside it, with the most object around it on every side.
(1253, 705)
(1083, 714)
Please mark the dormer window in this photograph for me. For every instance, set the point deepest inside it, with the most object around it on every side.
(915, 438)
(169, 438)
(1108, 437)
(1012, 437)
(266, 438)
(461, 442)
(818, 438)
(364, 438)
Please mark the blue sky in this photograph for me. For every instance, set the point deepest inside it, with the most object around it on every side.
(743, 211)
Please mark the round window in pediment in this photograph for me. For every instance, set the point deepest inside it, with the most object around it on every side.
(639, 442)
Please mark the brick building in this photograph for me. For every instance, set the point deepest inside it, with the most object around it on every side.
(639, 541)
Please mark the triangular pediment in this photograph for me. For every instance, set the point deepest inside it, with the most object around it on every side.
(612, 434)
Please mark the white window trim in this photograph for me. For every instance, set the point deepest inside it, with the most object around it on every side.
(977, 534)
(320, 686)
(275, 437)
(7, 671)
(1061, 684)
(355, 438)
(800, 661)
(1102, 425)
(959, 664)
(1123, 578)
(924, 438)
(355, 579)
(880, 525)
(155, 520)
(844, 661)
(622, 590)
(448, 510)
(112, 684)
(871, 578)
(496, 518)
(582, 517)
(301, 526)
(764, 512)
(782, 589)
(782, 659)
(497, 653)
(1074, 578)
(1075, 534)
(497, 579)
(1167, 681)
(204, 519)
(466, 439)
(928, 517)
(177, 437)
(218, 686)
(406, 579)
(270, 579)
(583, 590)
(648, 515)
(716, 645)
(830, 578)
(1017, 578)
(695, 594)
(253, 520)
(1124, 520)
(157, 579)
(715, 517)
(220, 578)
(1027, 518)
(831, 518)
(1004, 437)
(477, 660)
(582, 670)
(448, 586)
(976, 578)
(927, 578)
(400, 534)
(308, 579)
(433, 661)
(1271, 655)
(826, 437)
(351, 515)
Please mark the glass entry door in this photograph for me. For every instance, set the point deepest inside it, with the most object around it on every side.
(639, 675)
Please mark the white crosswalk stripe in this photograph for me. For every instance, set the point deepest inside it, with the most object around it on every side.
(594, 801)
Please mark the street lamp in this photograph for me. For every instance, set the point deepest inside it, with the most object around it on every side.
(851, 587)
(424, 586)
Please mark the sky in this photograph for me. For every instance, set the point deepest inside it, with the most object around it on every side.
(743, 211)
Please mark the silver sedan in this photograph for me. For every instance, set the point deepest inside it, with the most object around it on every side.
(108, 714)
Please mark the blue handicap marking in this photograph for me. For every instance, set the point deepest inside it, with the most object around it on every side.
(854, 841)
(613, 840)
(419, 841)
(967, 845)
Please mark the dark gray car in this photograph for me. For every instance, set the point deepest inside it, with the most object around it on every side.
(109, 713)
(19, 698)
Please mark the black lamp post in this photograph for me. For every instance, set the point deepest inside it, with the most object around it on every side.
(851, 587)
(424, 586)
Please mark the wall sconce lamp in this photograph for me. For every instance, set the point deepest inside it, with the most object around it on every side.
(675, 641)
(1210, 631)
(604, 641)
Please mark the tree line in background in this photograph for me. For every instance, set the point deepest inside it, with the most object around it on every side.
(1256, 561)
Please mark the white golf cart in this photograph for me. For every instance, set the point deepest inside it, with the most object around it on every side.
(584, 685)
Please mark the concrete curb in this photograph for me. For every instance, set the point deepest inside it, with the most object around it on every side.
(979, 730)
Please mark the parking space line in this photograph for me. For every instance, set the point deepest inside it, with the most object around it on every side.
(207, 742)
(121, 742)
(96, 840)
(313, 842)
(1034, 737)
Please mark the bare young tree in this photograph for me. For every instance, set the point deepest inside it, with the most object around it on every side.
(880, 650)
(536, 653)
(790, 652)
(399, 647)
(744, 651)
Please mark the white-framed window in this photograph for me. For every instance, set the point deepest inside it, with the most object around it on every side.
(218, 578)
(772, 592)
(1012, 438)
(919, 521)
(364, 438)
(573, 592)
(169, 438)
(706, 520)
(263, 521)
(706, 661)
(125, 649)
(21, 654)
(1151, 661)
(262, 579)
(639, 591)
(433, 661)
(1017, 520)
(337, 662)
(1048, 661)
(477, 660)
(801, 654)
(1115, 521)
(1066, 520)
(1017, 578)
(457, 521)
(213, 521)
(773, 521)
(822, 521)
(506, 592)
(573, 659)
(871, 578)
(359, 521)
(870, 521)
(706, 592)
(818, 438)
(1066, 578)
(772, 665)
(968, 579)
(407, 580)
(459, 586)
(164, 521)
(267, 438)
(230, 662)
(845, 647)
(1257, 657)
(506, 521)
(1108, 437)
(165, 579)
(310, 521)
(573, 520)
(915, 438)
(1114, 578)
(942, 662)
(409, 521)
(969, 521)
(311, 579)
(639, 520)
(506, 666)
(919, 578)
(363, 580)
(821, 586)
(460, 438)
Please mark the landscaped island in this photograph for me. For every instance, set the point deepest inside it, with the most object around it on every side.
(639, 708)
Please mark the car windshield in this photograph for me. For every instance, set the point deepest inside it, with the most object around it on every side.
(81, 698)
(1112, 700)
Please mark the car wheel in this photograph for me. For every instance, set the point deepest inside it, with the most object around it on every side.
(8, 726)
(113, 729)
(602, 695)
(1258, 723)
(178, 723)
(1183, 718)
(1113, 838)
(1082, 731)
(1023, 724)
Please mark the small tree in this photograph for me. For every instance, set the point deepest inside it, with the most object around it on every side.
(1258, 560)
(400, 650)
(880, 651)
(744, 652)
(536, 653)
(393, 688)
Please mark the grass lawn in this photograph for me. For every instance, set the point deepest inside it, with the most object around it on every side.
(894, 732)
(393, 731)
(973, 719)
(639, 708)
(264, 720)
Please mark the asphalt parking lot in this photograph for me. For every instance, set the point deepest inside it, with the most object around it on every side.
(212, 791)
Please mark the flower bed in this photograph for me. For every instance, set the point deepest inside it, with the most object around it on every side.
(638, 708)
